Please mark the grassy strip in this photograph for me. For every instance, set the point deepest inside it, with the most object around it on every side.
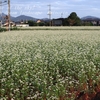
(93, 28)
(2, 29)
(59, 28)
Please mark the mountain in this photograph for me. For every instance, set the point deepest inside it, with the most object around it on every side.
(23, 17)
(45, 19)
(18, 18)
(2, 16)
(89, 18)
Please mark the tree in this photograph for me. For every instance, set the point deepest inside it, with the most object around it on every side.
(41, 24)
(87, 24)
(65, 22)
(73, 20)
(32, 23)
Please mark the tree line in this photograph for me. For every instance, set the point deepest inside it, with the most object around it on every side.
(71, 20)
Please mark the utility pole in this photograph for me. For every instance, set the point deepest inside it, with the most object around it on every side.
(1, 13)
(2, 2)
(9, 14)
(49, 13)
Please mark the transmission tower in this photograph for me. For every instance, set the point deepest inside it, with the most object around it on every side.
(49, 13)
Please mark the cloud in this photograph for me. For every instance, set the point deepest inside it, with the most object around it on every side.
(39, 8)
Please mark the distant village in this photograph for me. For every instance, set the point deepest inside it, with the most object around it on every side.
(71, 20)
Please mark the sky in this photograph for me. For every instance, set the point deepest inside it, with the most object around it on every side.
(59, 8)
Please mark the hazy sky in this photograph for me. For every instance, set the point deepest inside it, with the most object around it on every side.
(59, 8)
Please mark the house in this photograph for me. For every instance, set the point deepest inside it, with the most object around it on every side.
(39, 21)
(22, 25)
(7, 24)
(94, 20)
(57, 22)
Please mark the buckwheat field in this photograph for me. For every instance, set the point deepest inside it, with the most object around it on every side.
(49, 64)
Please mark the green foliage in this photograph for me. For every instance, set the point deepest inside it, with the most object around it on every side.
(41, 24)
(47, 23)
(3, 29)
(72, 20)
(87, 24)
(32, 23)
(14, 28)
